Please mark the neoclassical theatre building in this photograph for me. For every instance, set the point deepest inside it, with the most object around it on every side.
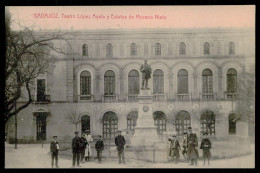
(193, 82)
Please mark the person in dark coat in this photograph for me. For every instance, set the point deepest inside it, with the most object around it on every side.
(205, 146)
(99, 146)
(76, 148)
(83, 147)
(193, 153)
(54, 147)
(175, 149)
(184, 146)
(120, 143)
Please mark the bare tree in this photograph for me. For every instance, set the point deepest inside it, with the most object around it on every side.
(74, 119)
(28, 54)
(246, 96)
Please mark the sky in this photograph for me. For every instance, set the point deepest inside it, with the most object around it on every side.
(127, 17)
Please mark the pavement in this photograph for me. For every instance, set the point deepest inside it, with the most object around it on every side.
(34, 156)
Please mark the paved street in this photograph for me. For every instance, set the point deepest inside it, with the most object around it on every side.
(34, 156)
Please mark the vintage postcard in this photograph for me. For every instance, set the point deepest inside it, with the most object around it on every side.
(130, 87)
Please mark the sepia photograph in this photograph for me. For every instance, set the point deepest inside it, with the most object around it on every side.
(129, 87)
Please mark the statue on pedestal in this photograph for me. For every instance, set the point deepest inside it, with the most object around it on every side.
(146, 74)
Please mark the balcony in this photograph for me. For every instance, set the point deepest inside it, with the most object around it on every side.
(43, 98)
(86, 97)
(159, 97)
(183, 97)
(132, 97)
(230, 96)
(208, 96)
(108, 98)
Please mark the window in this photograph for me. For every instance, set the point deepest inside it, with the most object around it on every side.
(41, 90)
(232, 124)
(85, 123)
(133, 49)
(182, 81)
(157, 49)
(158, 82)
(110, 124)
(231, 48)
(207, 122)
(131, 120)
(109, 83)
(85, 83)
(206, 48)
(85, 50)
(231, 81)
(207, 82)
(160, 121)
(133, 85)
(182, 48)
(182, 122)
(41, 125)
(109, 50)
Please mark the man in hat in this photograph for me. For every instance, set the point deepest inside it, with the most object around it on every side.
(99, 147)
(76, 148)
(205, 146)
(88, 146)
(175, 148)
(54, 147)
(120, 143)
(193, 154)
(184, 146)
(83, 147)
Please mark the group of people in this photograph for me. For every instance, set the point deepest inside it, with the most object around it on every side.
(81, 148)
(190, 147)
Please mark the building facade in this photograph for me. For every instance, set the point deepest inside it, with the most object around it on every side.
(193, 81)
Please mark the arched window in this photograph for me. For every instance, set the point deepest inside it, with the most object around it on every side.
(231, 81)
(182, 122)
(207, 83)
(133, 85)
(232, 124)
(207, 122)
(183, 82)
(85, 123)
(85, 83)
(84, 50)
(157, 49)
(133, 49)
(231, 48)
(206, 48)
(109, 50)
(41, 125)
(160, 121)
(131, 120)
(110, 124)
(182, 48)
(158, 82)
(109, 83)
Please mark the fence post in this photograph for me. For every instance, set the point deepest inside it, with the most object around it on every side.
(154, 152)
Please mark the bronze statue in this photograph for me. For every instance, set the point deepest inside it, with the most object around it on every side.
(146, 74)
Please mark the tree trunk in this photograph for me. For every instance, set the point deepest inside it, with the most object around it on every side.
(15, 119)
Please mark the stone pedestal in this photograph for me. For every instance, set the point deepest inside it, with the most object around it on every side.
(146, 142)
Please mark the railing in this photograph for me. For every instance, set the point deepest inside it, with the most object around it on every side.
(86, 97)
(132, 97)
(208, 96)
(230, 96)
(43, 98)
(183, 97)
(159, 97)
(110, 98)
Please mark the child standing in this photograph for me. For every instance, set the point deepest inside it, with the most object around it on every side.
(99, 147)
(205, 146)
(175, 147)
